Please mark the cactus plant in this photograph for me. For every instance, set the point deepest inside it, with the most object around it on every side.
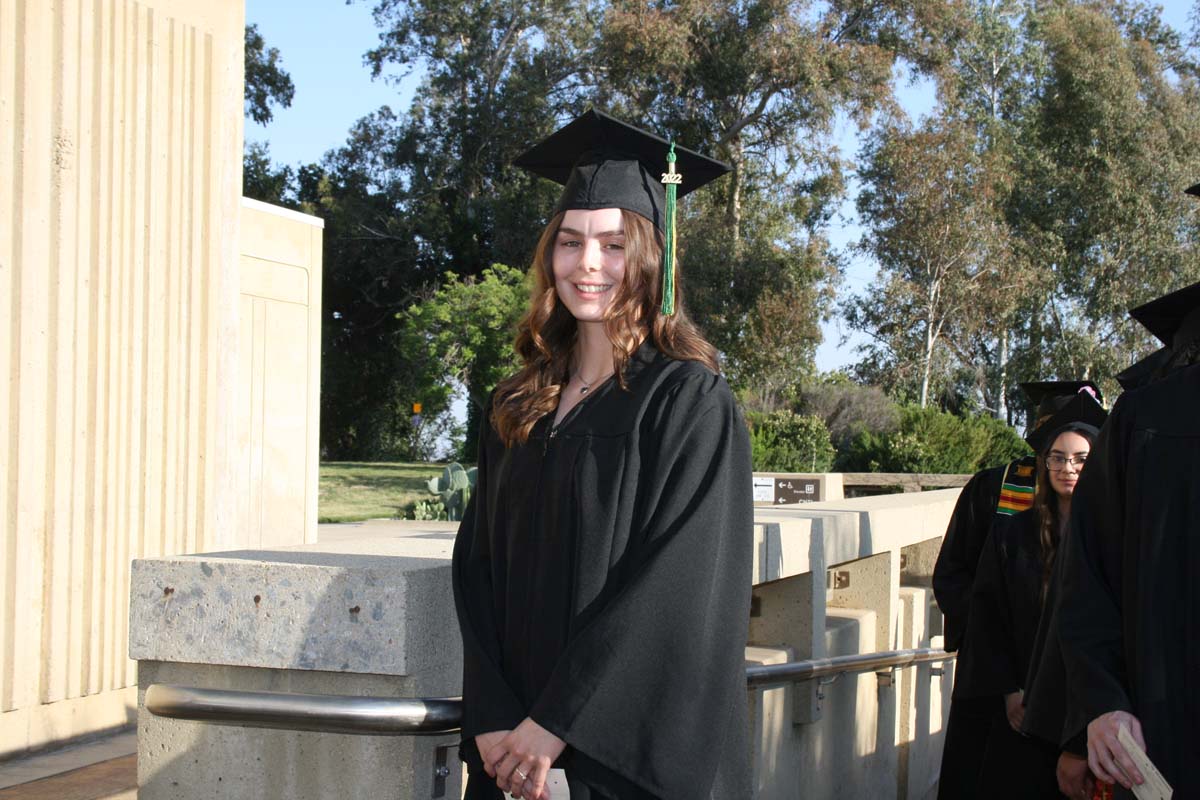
(454, 489)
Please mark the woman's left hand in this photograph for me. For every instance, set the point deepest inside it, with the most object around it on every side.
(522, 760)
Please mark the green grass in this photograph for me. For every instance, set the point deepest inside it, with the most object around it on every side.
(352, 491)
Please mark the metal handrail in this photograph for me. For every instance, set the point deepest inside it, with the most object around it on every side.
(798, 671)
(427, 716)
(327, 713)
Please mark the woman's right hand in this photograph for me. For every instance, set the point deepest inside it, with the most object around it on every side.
(1014, 708)
(486, 742)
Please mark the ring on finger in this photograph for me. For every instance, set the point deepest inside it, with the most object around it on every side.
(517, 770)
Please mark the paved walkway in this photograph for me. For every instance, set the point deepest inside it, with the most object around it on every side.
(105, 769)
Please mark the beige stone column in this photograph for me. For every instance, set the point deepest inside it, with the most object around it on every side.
(120, 173)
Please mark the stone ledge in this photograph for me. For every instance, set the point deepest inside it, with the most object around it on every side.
(377, 606)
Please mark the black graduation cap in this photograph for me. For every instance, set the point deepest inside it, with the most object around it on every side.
(1174, 319)
(1050, 396)
(1082, 409)
(605, 163)
(1141, 372)
(1193, 190)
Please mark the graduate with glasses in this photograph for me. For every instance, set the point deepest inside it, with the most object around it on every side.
(1011, 582)
(992, 494)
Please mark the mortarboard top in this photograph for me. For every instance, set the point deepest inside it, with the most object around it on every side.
(1051, 396)
(1141, 372)
(1193, 190)
(1174, 319)
(1080, 409)
(603, 162)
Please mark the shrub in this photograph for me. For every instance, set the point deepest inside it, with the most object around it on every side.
(934, 441)
(785, 442)
(849, 408)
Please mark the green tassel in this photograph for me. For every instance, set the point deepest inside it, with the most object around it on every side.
(671, 179)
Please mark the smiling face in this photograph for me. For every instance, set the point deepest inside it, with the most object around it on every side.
(589, 261)
(1069, 445)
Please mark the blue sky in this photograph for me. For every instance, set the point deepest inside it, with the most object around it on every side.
(322, 43)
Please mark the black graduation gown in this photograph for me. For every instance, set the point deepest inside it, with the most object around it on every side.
(602, 577)
(953, 574)
(1006, 607)
(1046, 682)
(954, 571)
(1128, 614)
(978, 505)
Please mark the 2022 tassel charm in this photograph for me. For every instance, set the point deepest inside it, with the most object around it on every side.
(671, 179)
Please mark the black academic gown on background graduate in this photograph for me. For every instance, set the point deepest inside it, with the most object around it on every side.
(1130, 605)
(971, 718)
(954, 572)
(1046, 682)
(1006, 609)
(602, 579)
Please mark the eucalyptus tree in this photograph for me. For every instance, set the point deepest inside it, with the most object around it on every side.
(761, 84)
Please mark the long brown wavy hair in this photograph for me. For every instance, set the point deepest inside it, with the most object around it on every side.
(546, 335)
(1045, 500)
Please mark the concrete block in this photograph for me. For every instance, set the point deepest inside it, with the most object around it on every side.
(371, 616)
(775, 757)
(838, 753)
(919, 702)
(790, 612)
(376, 607)
(917, 562)
(182, 760)
(869, 583)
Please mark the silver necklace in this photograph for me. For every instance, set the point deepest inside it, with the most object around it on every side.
(587, 385)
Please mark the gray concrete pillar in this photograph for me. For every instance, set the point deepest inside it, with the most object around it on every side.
(375, 618)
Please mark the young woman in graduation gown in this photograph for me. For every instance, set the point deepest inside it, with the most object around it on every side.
(602, 571)
(1011, 582)
(991, 495)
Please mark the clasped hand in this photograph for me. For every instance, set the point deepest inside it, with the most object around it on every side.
(527, 751)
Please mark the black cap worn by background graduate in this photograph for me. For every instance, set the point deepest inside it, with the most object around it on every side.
(603, 162)
(1174, 318)
(1080, 412)
(1144, 371)
(1050, 396)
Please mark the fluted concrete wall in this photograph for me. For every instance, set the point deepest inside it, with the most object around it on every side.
(279, 350)
(120, 172)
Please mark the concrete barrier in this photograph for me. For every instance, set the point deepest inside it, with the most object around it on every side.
(843, 577)
(371, 612)
(355, 617)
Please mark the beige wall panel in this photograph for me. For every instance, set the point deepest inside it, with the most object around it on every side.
(284, 427)
(9, 331)
(120, 172)
(280, 374)
(32, 367)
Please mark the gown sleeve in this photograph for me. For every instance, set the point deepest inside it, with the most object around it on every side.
(954, 572)
(653, 685)
(489, 703)
(991, 655)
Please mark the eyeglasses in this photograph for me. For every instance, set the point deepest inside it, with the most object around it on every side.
(1058, 463)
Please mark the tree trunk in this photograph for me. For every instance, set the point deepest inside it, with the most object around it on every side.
(928, 368)
(1002, 380)
(733, 208)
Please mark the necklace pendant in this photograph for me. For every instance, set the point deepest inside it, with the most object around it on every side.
(584, 389)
